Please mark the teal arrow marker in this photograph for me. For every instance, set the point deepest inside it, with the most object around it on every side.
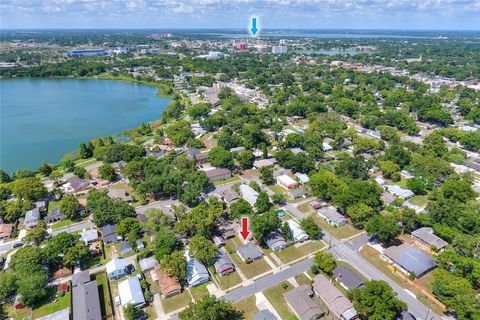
(254, 28)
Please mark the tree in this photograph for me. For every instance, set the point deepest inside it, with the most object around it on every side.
(157, 220)
(219, 157)
(81, 172)
(4, 177)
(278, 199)
(240, 208)
(203, 249)
(263, 203)
(76, 254)
(45, 169)
(106, 210)
(32, 286)
(38, 233)
(132, 312)
(27, 259)
(245, 159)
(68, 165)
(58, 245)
(29, 188)
(175, 265)
(262, 225)
(86, 150)
(377, 301)
(326, 184)
(128, 225)
(457, 294)
(417, 185)
(209, 308)
(311, 228)
(69, 206)
(285, 231)
(324, 262)
(389, 168)
(353, 167)
(107, 172)
(164, 244)
(266, 174)
(385, 228)
(360, 213)
(8, 287)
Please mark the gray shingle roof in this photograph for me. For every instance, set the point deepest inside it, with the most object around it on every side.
(86, 304)
(410, 259)
(249, 251)
(348, 277)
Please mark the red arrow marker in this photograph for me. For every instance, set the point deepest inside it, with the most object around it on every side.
(245, 232)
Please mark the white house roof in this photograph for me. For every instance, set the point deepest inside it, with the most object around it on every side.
(286, 180)
(399, 192)
(248, 194)
(116, 264)
(89, 235)
(302, 177)
(298, 234)
(130, 292)
(196, 272)
(148, 263)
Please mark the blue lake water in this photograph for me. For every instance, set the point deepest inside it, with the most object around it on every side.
(43, 119)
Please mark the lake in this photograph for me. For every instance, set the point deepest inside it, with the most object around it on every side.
(43, 119)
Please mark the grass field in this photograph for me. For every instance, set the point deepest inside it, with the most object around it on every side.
(302, 279)
(49, 307)
(342, 232)
(228, 280)
(200, 291)
(232, 179)
(292, 253)
(250, 270)
(176, 302)
(247, 306)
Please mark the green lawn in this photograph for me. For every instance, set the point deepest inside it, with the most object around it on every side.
(82, 163)
(275, 296)
(277, 189)
(17, 314)
(420, 200)
(61, 224)
(49, 307)
(303, 279)
(248, 307)
(226, 281)
(105, 301)
(292, 253)
(200, 291)
(252, 269)
(176, 302)
(224, 181)
(53, 204)
(342, 232)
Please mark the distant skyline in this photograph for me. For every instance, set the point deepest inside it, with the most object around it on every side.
(272, 14)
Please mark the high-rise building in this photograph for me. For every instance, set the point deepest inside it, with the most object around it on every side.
(279, 49)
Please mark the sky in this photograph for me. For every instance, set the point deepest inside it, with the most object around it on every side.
(272, 14)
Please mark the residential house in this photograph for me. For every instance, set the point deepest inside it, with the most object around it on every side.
(275, 241)
(201, 158)
(387, 198)
(142, 218)
(140, 245)
(147, 264)
(406, 174)
(223, 265)
(130, 292)
(300, 301)
(237, 149)
(120, 194)
(54, 216)
(125, 248)
(5, 230)
(249, 194)
(297, 232)
(316, 204)
(218, 174)
(405, 315)
(286, 182)
(31, 218)
(17, 302)
(228, 234)
(333, 298)
(348, 278)
(169, 286)
(297, 193)
(86, 297)
(196, 272)
(426, 236)
(117, 268)
(75, 184)
(88, 236)
(192, 152)
(410, 260)
(108, 233)
(400, 192)
(218, 241)
(302, 177)
(331, 215)
(326, 147)
(249, 252)
(229, 196)
(258, 164)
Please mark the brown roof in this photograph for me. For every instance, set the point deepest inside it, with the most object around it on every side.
(168, 285)
(331, 296)
(5, 230)
(217, 172)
